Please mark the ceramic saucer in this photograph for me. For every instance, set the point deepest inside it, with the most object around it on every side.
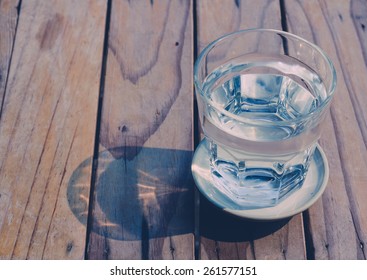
(297, 202)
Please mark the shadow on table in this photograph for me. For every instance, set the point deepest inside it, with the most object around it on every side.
(218, 225)
(151, 195)
(148, 195)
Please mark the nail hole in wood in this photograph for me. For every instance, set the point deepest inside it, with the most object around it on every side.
(123, 128)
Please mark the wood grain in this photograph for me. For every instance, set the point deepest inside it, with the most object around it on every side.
(143, 198)
(8, 23)
(48, 127)
(281, 240)
(51, 61)
(337, 226)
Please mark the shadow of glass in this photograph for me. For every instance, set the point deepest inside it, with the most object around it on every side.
(151, 196)
(148, 196)
(219, 225)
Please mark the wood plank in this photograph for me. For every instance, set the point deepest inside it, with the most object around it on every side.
(338, 223)
(8, 23)
(143, 198)
(278, 240)
(48, 128)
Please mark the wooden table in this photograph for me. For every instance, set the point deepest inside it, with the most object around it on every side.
(99, 124)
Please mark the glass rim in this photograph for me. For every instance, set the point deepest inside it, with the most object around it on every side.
(210, 46)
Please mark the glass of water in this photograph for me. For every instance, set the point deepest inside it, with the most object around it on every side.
(262, 96)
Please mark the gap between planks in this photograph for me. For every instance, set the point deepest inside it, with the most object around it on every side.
(98, 126)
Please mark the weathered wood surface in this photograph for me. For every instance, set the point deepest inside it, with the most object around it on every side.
(52, 72)
(143, 199)
(47, 128)
(8, 23)
(277, 240)
(338, 222)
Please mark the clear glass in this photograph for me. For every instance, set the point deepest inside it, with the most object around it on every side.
(262, 96)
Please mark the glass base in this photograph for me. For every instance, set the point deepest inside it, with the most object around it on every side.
(296, 202)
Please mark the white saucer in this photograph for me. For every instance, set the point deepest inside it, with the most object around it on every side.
(297, 202)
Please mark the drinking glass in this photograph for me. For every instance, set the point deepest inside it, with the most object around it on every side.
(262, 97)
